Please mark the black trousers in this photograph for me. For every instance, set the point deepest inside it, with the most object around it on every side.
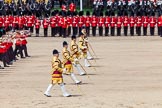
(132, 31)
(145, 31)
(159, 31)
(112, 31)
(32, 29)
(45, 32)
(106, 31)
(64, 32)
(18, 50)
(138, 31)
(57, 30)
(25, 27)
(53, 31)
(118, 31)
(37, 32)
(24, 49)
(69, 31)
(80, 29)
(152, 31)
(75, 31)
(3, 57)
(60, 31)
(125, 30)
(100, 31)
(88, 31)
(94, 31)
(10, 53)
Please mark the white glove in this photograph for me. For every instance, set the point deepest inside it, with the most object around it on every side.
(84, 47)
(64, 70)
(76, 60)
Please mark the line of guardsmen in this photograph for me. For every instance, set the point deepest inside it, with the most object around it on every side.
(64, 23)
(8, 55)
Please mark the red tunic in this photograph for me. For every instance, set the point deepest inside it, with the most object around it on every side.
(53, 22)
(94, 21)
(119, 21)
(72, 7)
(138, 22)
(87, 21)
(64, 22)
(101, 21)
(81, 21)
(113, 22)
(125, 21)
(131, 21)
(152, 21)
(75, 22)
(107, 21)
(45, 23)
(145, 21)
(37, 23)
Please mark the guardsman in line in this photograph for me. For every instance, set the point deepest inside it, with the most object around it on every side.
(145, 21)
(101, 21)
(69, 23)
(125, 24)
(68, 61)
(119, 24)
(64, 27)
(83, 48)
(76, 54)
(138, 24)
(159, 24)
(56, 73)
(53, 25)
(88, 22)
(45, 24)
(6, 23)
(152, 20)
(20, 23)
(80, 21)
(113, 23)
(29, 23)
(37, 26)
(60, 24)
(131, 24)
(75, 24)
(14, 23)
(107, 23)
(33, 22)
(94, 24)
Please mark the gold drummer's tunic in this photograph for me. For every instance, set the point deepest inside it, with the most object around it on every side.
(67, 60)
(82, 45)
(56, 71)
(74, 50)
